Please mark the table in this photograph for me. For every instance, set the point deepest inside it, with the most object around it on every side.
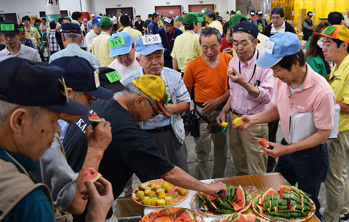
(261, 181)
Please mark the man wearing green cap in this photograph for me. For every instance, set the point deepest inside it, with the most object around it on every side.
(100, 46)
(186, 46)
(201, 21)
(335, 48)
(178, 22)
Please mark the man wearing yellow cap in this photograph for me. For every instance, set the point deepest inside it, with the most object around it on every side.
(335, 48)
(131, 149)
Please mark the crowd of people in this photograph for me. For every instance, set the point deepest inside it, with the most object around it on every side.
(140, 77)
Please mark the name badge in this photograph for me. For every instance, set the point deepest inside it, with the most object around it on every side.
(268, 46)
(118, 41)
(113, 76)
(151, 39)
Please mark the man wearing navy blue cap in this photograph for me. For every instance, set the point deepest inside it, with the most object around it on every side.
(10, 33)
(122, 47)
(301, 97)
(251, 90)
(53, 169)
(93, 33)
(32, 95)
(146, 23)
(278, 24)
(153, 25)
(72, 37)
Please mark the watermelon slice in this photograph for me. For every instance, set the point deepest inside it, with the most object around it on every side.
(241, 198)
(262, 142)
(92, 175)
(94, 120)
(184, 215)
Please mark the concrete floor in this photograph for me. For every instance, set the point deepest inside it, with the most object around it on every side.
(231, 171)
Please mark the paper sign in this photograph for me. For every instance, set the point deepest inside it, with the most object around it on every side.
(268, 46)
(7, 27)
(113, 76)
(151, 39)
(329, 30)
(168, 20)
(171, 12)
(115, 42)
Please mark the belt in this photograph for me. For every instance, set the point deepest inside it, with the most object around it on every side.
(310, 150)
(201, 105)
(236, 113)
(159, 129)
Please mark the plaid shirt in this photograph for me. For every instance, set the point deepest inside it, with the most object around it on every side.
(52, 41)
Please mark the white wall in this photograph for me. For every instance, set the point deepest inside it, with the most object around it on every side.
(141, 7)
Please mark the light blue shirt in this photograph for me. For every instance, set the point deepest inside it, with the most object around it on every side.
(173, 80)
(75, 50)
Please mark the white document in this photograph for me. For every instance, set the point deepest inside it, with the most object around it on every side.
(334, 130)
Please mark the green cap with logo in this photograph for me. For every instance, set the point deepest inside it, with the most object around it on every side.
(236, 19)
(201, 16)
(179, 18)
(105, 22)
(9, 27)
(190, 18)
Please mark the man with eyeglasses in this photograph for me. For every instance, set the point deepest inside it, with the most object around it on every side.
(132, 150)
(251, 90)
(335, 48)
(278, 24)
(10, 33)
(167, 132)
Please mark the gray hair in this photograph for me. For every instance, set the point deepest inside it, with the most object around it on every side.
(208, 31)
(78, 94)
(131, 90)
(252, 38)
(7, 108)
(72, 37)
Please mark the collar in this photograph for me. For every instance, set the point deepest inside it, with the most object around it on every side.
(338, 70)
(282, 26)
(308, 81)
(73, 46)
(27, 163)
(105, 33)
(191, 31)
(19, 51)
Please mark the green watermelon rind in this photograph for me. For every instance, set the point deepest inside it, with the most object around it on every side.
(94, 120)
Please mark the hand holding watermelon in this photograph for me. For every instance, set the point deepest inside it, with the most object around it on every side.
(99, 139)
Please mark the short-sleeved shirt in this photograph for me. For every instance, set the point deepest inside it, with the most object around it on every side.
(168, 42)
(208, 83)
(315, 96)
(34, 206)
(74, 50)
(339, 82)
(241, 100)
(89, 38)
(124, 70)
(101, 49)
(218, 25)
(32, 34)
(139, 25)
(153, 27)
(186, 48)
(52, 41)
(130, 151)
(133, 32)
(24, 52)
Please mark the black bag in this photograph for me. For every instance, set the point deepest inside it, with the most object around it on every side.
(191, 123)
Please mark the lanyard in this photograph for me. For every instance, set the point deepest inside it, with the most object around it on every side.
(254, 69)
(168, 44)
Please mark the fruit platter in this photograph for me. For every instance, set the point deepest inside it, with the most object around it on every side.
(236, 200)
(289, 203)
(158, 193)
(170, 214)
(238, 217)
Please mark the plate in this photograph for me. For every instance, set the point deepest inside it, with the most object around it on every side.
(173, 192)
(269, 217)
(197, 207)
(246, 216)
(152, 216)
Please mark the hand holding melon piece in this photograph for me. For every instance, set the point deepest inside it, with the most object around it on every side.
(92, 175)
(262, 142)
(94, 120)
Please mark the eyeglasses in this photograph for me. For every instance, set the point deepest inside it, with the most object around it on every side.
(155, 113)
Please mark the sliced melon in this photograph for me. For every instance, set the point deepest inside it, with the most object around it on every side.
(94, 120)
(92, 175)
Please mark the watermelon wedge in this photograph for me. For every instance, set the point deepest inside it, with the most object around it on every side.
(262, 142)
(92, 175)
(184, 215)
(94, 120)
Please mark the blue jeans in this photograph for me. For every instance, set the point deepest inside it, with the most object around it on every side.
(308, 169)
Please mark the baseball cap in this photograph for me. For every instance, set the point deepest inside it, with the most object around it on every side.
(161, 16)
(201, 16)
(204, 10)
(9, 27)
(150, 15)
(155, 14)
(179, 18)
(22, 29)
(247, 27)
(96, 20)
(146, 49)
(236, 19)
(232, 12)
(168, 21)
(259, 12)
(120, 43)
(80, 76)
(278, 10)
(154, 87)
(190, 18)
(138, 16)
(310, 13)
(110, 79)
(336, 32)
(285, 44)
(70, 28)
(67, 18)
(28, 83)
(252, 12)
(105, 22)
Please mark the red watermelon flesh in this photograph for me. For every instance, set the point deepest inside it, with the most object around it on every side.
(240, 197)
(269, 192)
(283, 188)
(164, 212)
(241, 219)
(94, 120)
(92, 175)
(185, 215)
